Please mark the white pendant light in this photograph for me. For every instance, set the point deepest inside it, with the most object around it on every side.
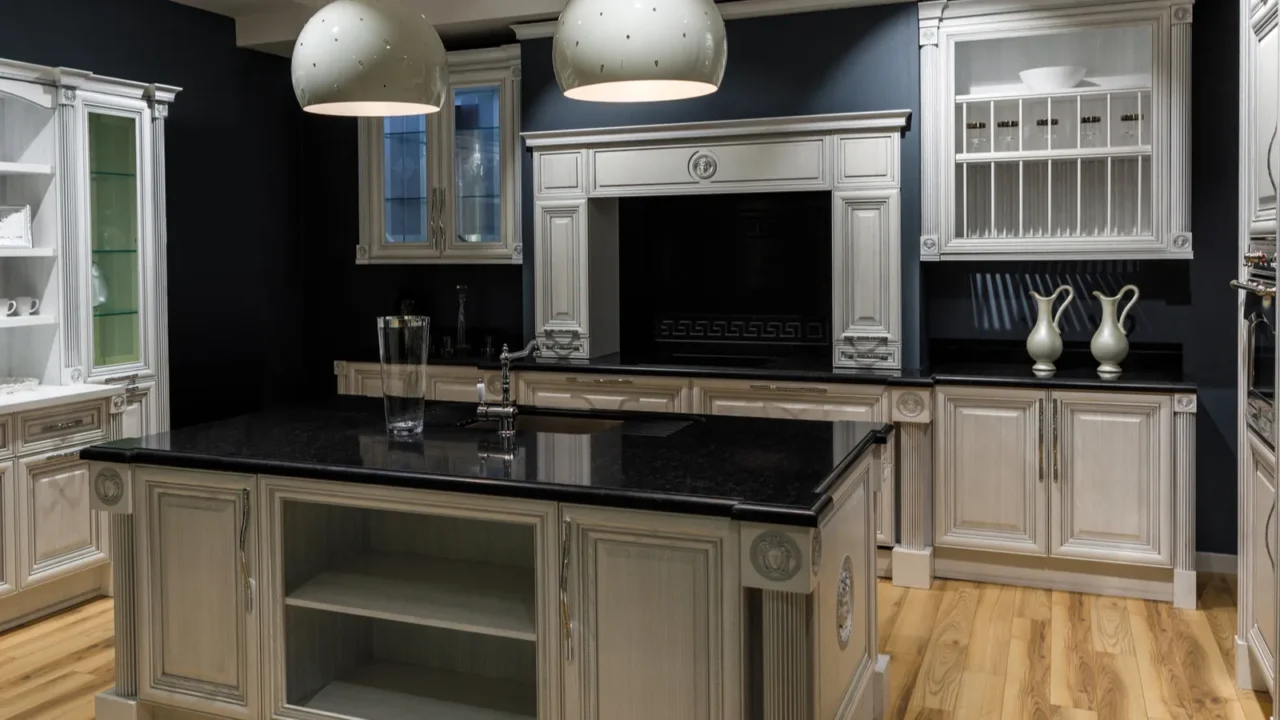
(369, 58)
(639, 50)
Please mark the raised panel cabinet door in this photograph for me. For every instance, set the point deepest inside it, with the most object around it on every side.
(8, 529)
(58, 532)
(1262, 572)
(1113, 477)
(198, 616)
(560, 264)
(865, 256)
(653, 606)
(989, 491)
(1264, 69)
(586, 392)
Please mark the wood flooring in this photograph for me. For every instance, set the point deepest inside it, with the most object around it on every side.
(961, 651)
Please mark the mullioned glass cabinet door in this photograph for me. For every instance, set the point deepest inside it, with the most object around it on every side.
(115, 229)
(477, 166)
(408, 199)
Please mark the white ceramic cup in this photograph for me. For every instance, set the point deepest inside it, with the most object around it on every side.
(28, 305)
(7, 307)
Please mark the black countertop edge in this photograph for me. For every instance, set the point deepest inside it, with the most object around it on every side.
(865, 377)
(1138, 384)
(605, 497)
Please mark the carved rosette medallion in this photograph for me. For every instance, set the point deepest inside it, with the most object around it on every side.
(108, 486)
(816, 551)
(68, 96)
(1184, 403)
(1181, 241)
(161, 110)
(703, 166)
(910, 404)
(117, 404)
(362, 252)
(844, 603)
(775, 556)
(518, 250)
(76, 375)
(929, 244)
(928, 36)
(1182, 14)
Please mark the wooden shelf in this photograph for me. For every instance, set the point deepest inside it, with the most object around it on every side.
(16, 168)
(1026, 94)
(1061, 154)
(26, 252)
(407, 692)
(466, 596)
(13, 321)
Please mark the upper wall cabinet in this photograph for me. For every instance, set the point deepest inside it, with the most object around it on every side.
(445, 188)
(1259, 110)
(1061, 131)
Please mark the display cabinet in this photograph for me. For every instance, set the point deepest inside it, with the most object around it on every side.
(445, 188)
(1056, 132)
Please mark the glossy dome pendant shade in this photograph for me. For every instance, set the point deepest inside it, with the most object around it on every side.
(639, 50)
(369, 58)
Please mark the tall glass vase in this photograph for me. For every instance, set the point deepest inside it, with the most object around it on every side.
(402, 345)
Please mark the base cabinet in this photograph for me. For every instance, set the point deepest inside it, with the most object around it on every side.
(649, 600)
(1259, 585)
(58, 533)
(8, 530)
(600, 392)
(198, 621)
(1065, 474)
(136, 419)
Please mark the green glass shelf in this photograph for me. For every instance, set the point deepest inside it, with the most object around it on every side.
(105, 173)
(479, 197)
(113, 313)
(469, 129)
(402, 133)
(127, 250)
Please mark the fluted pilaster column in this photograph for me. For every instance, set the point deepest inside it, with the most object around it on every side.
(913, 419)
(1184, 501)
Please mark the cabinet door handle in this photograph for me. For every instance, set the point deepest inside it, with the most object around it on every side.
(64, 425)
(1270, 146)
(120, 379)
(61, 455)
(602, 381)
(1056, 405)
(244, 558)
(790, 388)
(1040, 445)
(566, 619)
(1266, 533)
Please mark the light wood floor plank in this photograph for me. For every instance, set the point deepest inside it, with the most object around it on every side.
(1026, 686)
(914, 626)
(992, 629)
(1074, 682)
(1163, 689)
(889, 601)
(981, 696)
(1111, 633)
(939, 680)
(1033, 603)
(1119, 693)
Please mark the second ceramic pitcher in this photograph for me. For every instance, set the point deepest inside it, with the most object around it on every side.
(1110, 345)
(1044, 344)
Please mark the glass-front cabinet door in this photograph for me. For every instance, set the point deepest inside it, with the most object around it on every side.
(1061, 134)
(444, 187)
(116, 136)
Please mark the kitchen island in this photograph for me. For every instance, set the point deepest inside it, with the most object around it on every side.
(620, 566)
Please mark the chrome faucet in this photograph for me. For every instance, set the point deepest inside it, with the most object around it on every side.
(505, 413)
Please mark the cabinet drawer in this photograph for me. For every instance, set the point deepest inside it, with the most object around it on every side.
(788, 400)
(6, 436)
(602, 392)
(869, 354)
(763, 165)
(50, 428)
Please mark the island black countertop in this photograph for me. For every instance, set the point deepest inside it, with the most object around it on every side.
(754, 469)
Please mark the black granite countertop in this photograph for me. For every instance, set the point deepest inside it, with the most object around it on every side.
(761, 470)
(993, 373)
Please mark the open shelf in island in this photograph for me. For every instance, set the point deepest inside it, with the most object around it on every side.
(468, 596)
(392, 691)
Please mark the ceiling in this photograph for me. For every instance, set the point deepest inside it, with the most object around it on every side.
(273, 25)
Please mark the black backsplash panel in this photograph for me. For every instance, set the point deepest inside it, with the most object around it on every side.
(725, 275)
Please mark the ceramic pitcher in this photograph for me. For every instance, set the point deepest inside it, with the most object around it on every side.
(1110, 344)
(1044, 344)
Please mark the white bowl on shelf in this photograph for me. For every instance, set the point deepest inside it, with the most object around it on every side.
(1049, 79)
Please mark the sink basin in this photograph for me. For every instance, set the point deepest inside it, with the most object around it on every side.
(552, 424)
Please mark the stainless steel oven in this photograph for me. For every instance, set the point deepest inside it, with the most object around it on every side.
(1260, 314)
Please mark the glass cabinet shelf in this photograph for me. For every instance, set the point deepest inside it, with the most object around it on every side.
(1071, 123)
(113, 313)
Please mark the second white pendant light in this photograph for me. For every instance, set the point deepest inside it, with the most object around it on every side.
(369, 58)
(639, 50)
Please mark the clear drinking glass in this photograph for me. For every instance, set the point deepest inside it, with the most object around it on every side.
(402, 344)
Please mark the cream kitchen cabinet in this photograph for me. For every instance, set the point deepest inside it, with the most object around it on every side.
(1260, 67)
(648, 597)
(445, 188)
(864, 261)
(990, 466)
(1257, 620)
(1066, 474)
(8, 529)
(1016, 163)
(58, 532)
(580, 391)
(137, 417)
(198, 640)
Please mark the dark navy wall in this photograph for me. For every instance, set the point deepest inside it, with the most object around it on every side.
(824, 62)
(1186, 306)
(233, 205)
